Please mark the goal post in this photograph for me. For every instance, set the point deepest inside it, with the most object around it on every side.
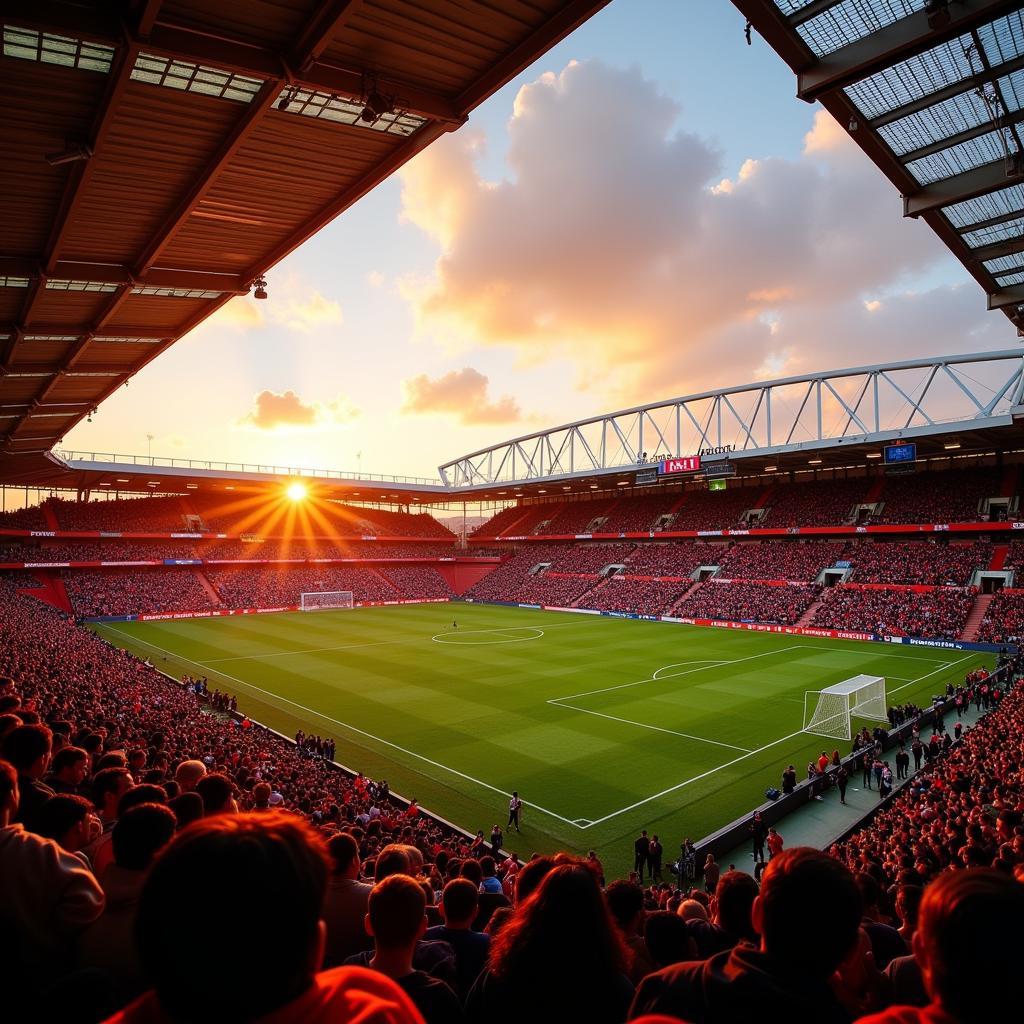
(321, 600)
(830, 712)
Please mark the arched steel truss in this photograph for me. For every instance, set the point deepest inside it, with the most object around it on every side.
(861, 405)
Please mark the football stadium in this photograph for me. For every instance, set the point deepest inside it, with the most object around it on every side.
(703, 709)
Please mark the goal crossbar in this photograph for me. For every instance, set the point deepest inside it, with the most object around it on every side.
(321, 600)
(830, 711)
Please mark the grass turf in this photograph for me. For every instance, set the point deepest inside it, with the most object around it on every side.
(605, 726)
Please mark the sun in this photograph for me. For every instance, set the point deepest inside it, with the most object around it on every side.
(296, 492)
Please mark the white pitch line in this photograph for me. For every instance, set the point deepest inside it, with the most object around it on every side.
(743, 757)
(352, 647)
(345, 725)
(656, 728)
(696, 778)
(941, 668)
(677, 675)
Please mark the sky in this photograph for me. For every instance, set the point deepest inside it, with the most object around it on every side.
(647, 211)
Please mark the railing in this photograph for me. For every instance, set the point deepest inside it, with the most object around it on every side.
(162, 462)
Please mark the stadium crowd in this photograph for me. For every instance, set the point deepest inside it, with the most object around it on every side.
(747, 602)
(131, 593)
(937, 614)
(141, 836)
(798, 561)
(815, 504)
(924, 563)
(277, 587)
(643, 597)
(1004, 618)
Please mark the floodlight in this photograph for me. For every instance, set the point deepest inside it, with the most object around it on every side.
(376, 107)
(260, 285)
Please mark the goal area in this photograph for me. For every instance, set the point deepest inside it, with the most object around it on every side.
(322, 600)
(830, 712)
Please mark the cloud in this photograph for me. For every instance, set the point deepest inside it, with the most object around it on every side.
(273, 411)
(462, 393)
(634, 253)
(241, 313)
(304, 310)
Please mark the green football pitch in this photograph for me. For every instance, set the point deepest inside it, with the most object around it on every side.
(604, 726)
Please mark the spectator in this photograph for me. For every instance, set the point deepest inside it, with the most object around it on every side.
(459, 903)
(213, 957)
(28, 749)
(69, 767)
(712, 873)
(67, 820)
(626, 904)
(668, 939)
(47, 897)
(558, 958)
(807, 915)
(397, 920)
(217, 794)
(188, 774)
(346, 902)
(969, 947)
(108, 944)
(734, 900)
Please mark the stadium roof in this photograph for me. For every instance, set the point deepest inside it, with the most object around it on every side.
(160, 157)
(933, 92)
(957, 407)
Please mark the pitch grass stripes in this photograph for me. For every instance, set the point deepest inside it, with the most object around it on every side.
(581, 823)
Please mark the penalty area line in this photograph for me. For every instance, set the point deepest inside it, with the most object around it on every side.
(345, 725)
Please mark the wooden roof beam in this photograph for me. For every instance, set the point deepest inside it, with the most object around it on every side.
(319, 33)
(81, 172)
(250, 118)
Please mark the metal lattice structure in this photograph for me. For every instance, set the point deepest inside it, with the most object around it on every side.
(933, 92)
(812, 413)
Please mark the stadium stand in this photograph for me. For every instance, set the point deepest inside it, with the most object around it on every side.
(1004, 619)
(646, 512)
(262, 588)
(918, 563)
(417, 581)
(680, 558)
(939, 497)
(813, 504)
(935, 835)
(644, 597)
(747, 602)
(781, 560)
(131, 593)
(938, 614)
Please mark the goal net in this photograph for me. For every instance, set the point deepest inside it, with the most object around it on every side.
(830, 712)
(320, 600)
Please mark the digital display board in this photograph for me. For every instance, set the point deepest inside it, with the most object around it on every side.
(900, 453)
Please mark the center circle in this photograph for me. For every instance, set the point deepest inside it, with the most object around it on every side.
(441, 638)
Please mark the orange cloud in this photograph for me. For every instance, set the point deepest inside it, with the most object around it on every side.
(462, 393)
(273, 411)
(633, 256)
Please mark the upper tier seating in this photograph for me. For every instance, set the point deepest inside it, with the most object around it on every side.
(781, 560)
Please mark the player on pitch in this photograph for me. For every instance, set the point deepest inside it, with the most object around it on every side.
(515, 810)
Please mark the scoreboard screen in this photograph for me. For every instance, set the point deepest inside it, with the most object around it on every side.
(900, 453)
